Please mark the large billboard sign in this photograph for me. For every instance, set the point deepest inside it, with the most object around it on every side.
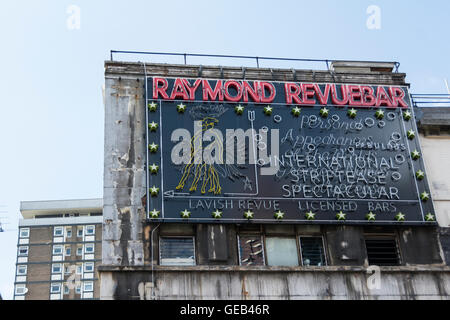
(237, 151)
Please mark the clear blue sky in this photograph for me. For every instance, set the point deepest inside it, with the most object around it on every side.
(51, 114)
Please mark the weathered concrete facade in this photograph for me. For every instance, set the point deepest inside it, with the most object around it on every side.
(130, 258)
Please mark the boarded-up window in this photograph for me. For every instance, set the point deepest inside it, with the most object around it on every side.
(281, 251)
(251, 251)
(177, 251)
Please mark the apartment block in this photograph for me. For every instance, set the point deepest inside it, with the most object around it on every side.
(58, 250)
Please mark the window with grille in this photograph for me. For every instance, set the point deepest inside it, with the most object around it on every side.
(312, 251)
(177, 251)
(382, 252)
(251, 251)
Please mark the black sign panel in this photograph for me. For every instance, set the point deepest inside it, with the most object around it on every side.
(279, 162)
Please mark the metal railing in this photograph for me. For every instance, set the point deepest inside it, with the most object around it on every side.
(431, 100)
(255, 58)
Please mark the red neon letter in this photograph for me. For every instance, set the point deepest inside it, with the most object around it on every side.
(193, 88)
(397, 95)
(208, 93)
(237, 86)
(272, 92)
(368, 98)
(160, 90)
(247, 89)
(334, 97)
(179, 90)
(383, 98)
(288, 87)
(355, 97)
(322, 97)
(308, 93)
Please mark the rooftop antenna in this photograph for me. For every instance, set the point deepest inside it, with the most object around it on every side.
(446, 84)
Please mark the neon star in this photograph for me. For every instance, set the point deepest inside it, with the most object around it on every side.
(379, 114)
(185, 214)
(181, 108)
(154, 214)
(371, 216)
(324, 112)
(310, 215)
(340, 215)
(420, 175)
(296, 111)
(410, 134)
(153, 126)
(248, 214)
(352, 113)
(154, 191)
(153, 147)
(407, 115)
(424, 196)
(152, 106)
(279, 215)
(429, 217)
(154, 168)
(239, 110)
(268, 110)
(217, 214)
(400, 217)
(415, 155)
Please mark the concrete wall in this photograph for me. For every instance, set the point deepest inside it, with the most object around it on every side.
(126, 252)
(274, 283)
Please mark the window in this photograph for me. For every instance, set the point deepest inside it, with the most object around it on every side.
(68, 250)
(56, 268)
(79, 251)
(312, 251)
(79, 269)
(88, 286)
(177, 251)
(57, 250)
(66, 289)
(89, 267)
(24, 232)
(382, 251)
(23, 251)
(281, 251)
(80, 232)
(21, 270)
(67, 269)
(69, 232)
(21, 289)
(89, 248)
(55, 288)
(58, 231)
(251, 251)
(90, 230)
(78, 289)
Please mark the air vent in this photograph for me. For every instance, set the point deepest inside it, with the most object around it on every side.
(382, 252)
